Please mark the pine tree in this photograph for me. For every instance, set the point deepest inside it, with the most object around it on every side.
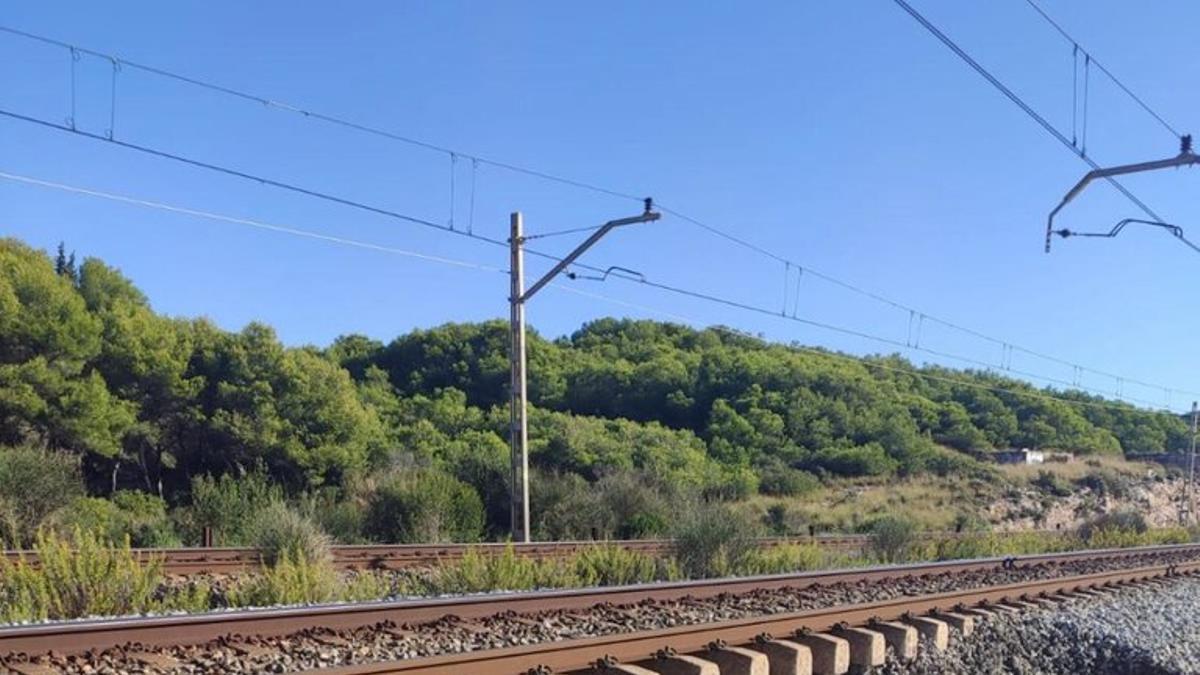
(64, 264)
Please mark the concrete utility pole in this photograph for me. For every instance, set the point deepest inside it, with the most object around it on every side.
(518, 400)
(1192, 468)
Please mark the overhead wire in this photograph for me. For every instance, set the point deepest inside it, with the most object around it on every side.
(869, 362)
(1117, 81)
(477, 159)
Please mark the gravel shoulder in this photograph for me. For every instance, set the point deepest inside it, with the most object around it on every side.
(1137, 631)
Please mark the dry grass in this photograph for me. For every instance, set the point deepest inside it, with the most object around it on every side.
(1082, 466)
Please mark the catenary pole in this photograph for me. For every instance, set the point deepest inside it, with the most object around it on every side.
(1192, 468)
(518, 398)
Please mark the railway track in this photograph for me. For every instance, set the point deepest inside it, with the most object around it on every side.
(562, 631)
(221, 560)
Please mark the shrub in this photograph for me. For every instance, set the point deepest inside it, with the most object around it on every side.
(279, 534)
(478, 571)
(620, 505)
(776, 519)
(87, 576)
(611, 565)
(424, 506)
(783, 558)
(340, 515)
(1111, 523)
(33, 484)
(711, 540)
(290, 580)
(228, 505)
(892, 538)
(1052, 484)
(865, 460)
(784, 481)
(1107, 483)
(139, 517)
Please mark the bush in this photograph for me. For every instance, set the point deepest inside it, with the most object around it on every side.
(1052, 484)
(229, 506)
(784, 481)
(478, 572)
(340, 515)
(864, 460)
(892, 538)
(620, 505)
(1107, 483)
(87, 576)
(139, 517)
(281, 534)
(783, 558)
(611, 565)
(711, 540)
(424, 506)
(291, 580)
(1124, 521)
(33, 484)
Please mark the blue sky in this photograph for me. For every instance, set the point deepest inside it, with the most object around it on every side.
(838, 135)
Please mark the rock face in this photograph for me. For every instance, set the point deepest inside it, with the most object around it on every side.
(1159, 500)
(1146, 631)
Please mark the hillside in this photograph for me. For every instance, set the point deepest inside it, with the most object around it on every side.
(152, 404)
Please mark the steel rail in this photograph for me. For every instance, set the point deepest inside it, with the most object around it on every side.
(80, 636)
(580, 654)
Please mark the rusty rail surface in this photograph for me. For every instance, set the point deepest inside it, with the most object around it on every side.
(583, 654)
(400, 556)
(80, 636)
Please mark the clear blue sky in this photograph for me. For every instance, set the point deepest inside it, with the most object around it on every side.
(840, 135)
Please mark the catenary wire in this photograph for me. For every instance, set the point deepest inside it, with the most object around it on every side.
(1137, 99)
(476, 159)
(295, 231)
(496, 242)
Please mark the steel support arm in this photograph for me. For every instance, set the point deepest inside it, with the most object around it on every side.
(1185, 158)
(571, 257)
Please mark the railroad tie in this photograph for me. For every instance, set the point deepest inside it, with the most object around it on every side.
(868, 648)
(786, 657)
(962, 623)
(934, 630)
(902, 638)
(738, 661)
(681, 664)
(830, 653)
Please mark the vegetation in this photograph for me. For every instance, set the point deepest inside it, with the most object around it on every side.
(155, 428)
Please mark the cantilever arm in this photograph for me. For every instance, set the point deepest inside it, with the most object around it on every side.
(1175, 230)
(1185, 158)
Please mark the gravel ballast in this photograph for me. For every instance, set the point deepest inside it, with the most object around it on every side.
(1146, 630)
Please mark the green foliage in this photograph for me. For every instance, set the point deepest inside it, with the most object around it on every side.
(34, 483)
(279, 533)
(86, 576)
(1052, 484)
(134, 516)
(621, 505)
(478, 571)
(229, 506)
(892, 538)
(424, 506)
(144, 403)
(292, 579)
(784, 558)
(1105, 482)
(613, 565)
(1124, 521)
(711, 540)
(784, 481)
(340, 514)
